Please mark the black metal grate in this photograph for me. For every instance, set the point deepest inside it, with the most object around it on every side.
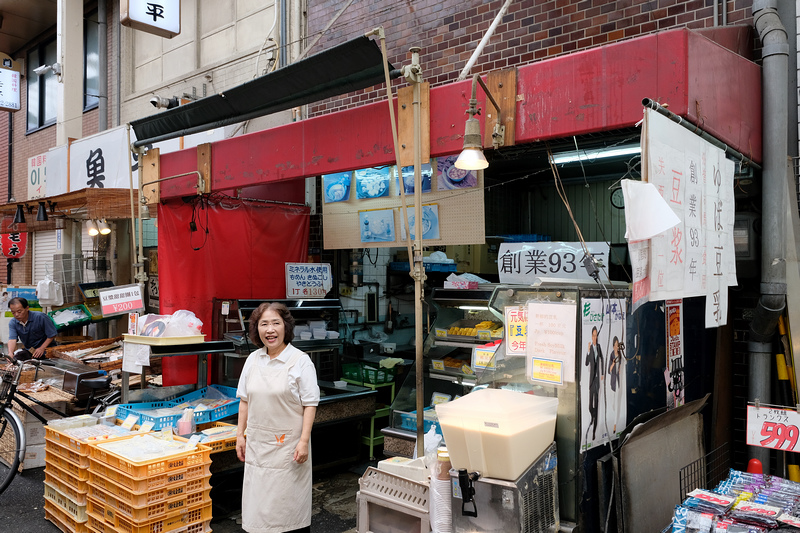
(706, 472)
(5, 385)
(539, 504)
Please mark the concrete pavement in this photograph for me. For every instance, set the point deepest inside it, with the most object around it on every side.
(334, 505)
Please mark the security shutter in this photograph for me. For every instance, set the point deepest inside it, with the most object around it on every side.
(45, 246)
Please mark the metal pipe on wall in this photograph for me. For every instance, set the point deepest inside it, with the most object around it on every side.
(102, 62)
(482, 44)
(775, 57)
(283, 53)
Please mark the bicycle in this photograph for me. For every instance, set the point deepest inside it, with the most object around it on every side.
(12, 430)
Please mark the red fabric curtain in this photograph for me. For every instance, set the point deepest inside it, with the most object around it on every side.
(242, 256)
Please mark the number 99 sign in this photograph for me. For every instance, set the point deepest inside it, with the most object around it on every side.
(776, 428)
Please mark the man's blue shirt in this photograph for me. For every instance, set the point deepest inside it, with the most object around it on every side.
(32, 334)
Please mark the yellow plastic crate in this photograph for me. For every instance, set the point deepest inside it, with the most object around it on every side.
(101, 489)
(77, 512)
(100, 502)
(105, 473)
(74, 493)
(62, 520)
(52, 447)
(76, 470)
(193, 520)
(143, 469)
(76, 445)
(222, 445)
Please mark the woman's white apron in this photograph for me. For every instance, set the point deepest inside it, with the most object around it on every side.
(276, 496)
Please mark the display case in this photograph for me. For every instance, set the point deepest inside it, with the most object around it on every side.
(462, 320)
(316, 332)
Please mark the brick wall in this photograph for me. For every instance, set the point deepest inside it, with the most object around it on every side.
(449, 31)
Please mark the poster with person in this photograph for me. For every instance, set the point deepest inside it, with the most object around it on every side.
(603, 386)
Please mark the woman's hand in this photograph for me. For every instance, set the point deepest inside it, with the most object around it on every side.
(301, 452)
(241, 445)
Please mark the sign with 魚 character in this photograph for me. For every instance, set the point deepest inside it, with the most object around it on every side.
(159, 17)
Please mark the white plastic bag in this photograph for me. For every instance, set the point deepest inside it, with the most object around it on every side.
(432, 440)
(183, 323)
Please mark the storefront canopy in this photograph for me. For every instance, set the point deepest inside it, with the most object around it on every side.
(345, 68)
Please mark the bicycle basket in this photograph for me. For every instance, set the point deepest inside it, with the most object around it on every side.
(5, 385)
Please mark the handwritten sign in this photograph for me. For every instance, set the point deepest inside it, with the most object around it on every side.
(121, 300)
(773, 427)
(308, 280)
(516, 329)
(527, 263)
(551, 337)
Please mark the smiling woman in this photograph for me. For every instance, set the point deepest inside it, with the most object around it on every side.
(279, 395)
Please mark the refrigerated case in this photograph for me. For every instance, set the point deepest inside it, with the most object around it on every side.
(577, 458)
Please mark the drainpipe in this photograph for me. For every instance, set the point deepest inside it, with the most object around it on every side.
(102, 63)
(283, 51)
(775, 61)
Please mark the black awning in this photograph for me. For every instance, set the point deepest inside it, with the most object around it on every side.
(348, 67)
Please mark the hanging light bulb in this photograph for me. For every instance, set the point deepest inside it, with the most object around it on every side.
(91, 228)
(103, 227)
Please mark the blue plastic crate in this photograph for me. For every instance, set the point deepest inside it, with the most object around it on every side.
(140, 409)
(210, 415)
(408, 421)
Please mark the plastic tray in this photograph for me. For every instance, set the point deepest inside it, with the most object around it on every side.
(194, 520)
(137, 469)
(390, 487)
(72, 509)
(210, 415)
(366, 373)
(103, 503)
(163, 341)
(221, 445)
(100, 486)
(200, 417)
(77, 322)
(62, 520)
(103, 475)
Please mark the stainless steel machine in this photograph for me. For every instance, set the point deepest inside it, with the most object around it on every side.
(527, 505)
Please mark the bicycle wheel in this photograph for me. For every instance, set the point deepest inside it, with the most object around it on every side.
(112, 398)
(10, 445)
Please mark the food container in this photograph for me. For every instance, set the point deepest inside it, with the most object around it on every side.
(496, 432)
(333, 334)
(340, 384)
(319, 333)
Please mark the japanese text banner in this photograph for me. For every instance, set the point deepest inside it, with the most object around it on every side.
(101, 161)
(527, 263)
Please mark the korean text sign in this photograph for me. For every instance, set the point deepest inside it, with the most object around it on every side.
(308, 280)
(121, 300)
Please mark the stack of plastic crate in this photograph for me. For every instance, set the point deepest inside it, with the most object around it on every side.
(65, 480)
(161, 495)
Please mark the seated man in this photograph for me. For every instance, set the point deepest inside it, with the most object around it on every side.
(34, 329)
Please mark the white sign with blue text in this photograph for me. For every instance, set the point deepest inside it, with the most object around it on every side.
(308, 280)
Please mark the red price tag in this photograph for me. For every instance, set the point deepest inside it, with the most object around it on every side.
(711, 497)
(779, 434)
(765, 510)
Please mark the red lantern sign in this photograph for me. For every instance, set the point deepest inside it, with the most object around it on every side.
(15, 244)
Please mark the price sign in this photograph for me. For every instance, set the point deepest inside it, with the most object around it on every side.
(712, 497)
(308, 280)
(771, 427)
(484, 334)
(789, 519)
(758, 508)
(441, 333)
(483, 357)
(438, 365)
(121, 300)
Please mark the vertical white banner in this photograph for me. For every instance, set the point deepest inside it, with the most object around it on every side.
(37, 176)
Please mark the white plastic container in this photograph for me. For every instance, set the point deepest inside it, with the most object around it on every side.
(496, 432)
(319, 333)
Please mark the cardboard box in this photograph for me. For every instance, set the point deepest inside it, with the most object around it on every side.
(34, 457)
(47, 414)
(460, 284)
(34, 432)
